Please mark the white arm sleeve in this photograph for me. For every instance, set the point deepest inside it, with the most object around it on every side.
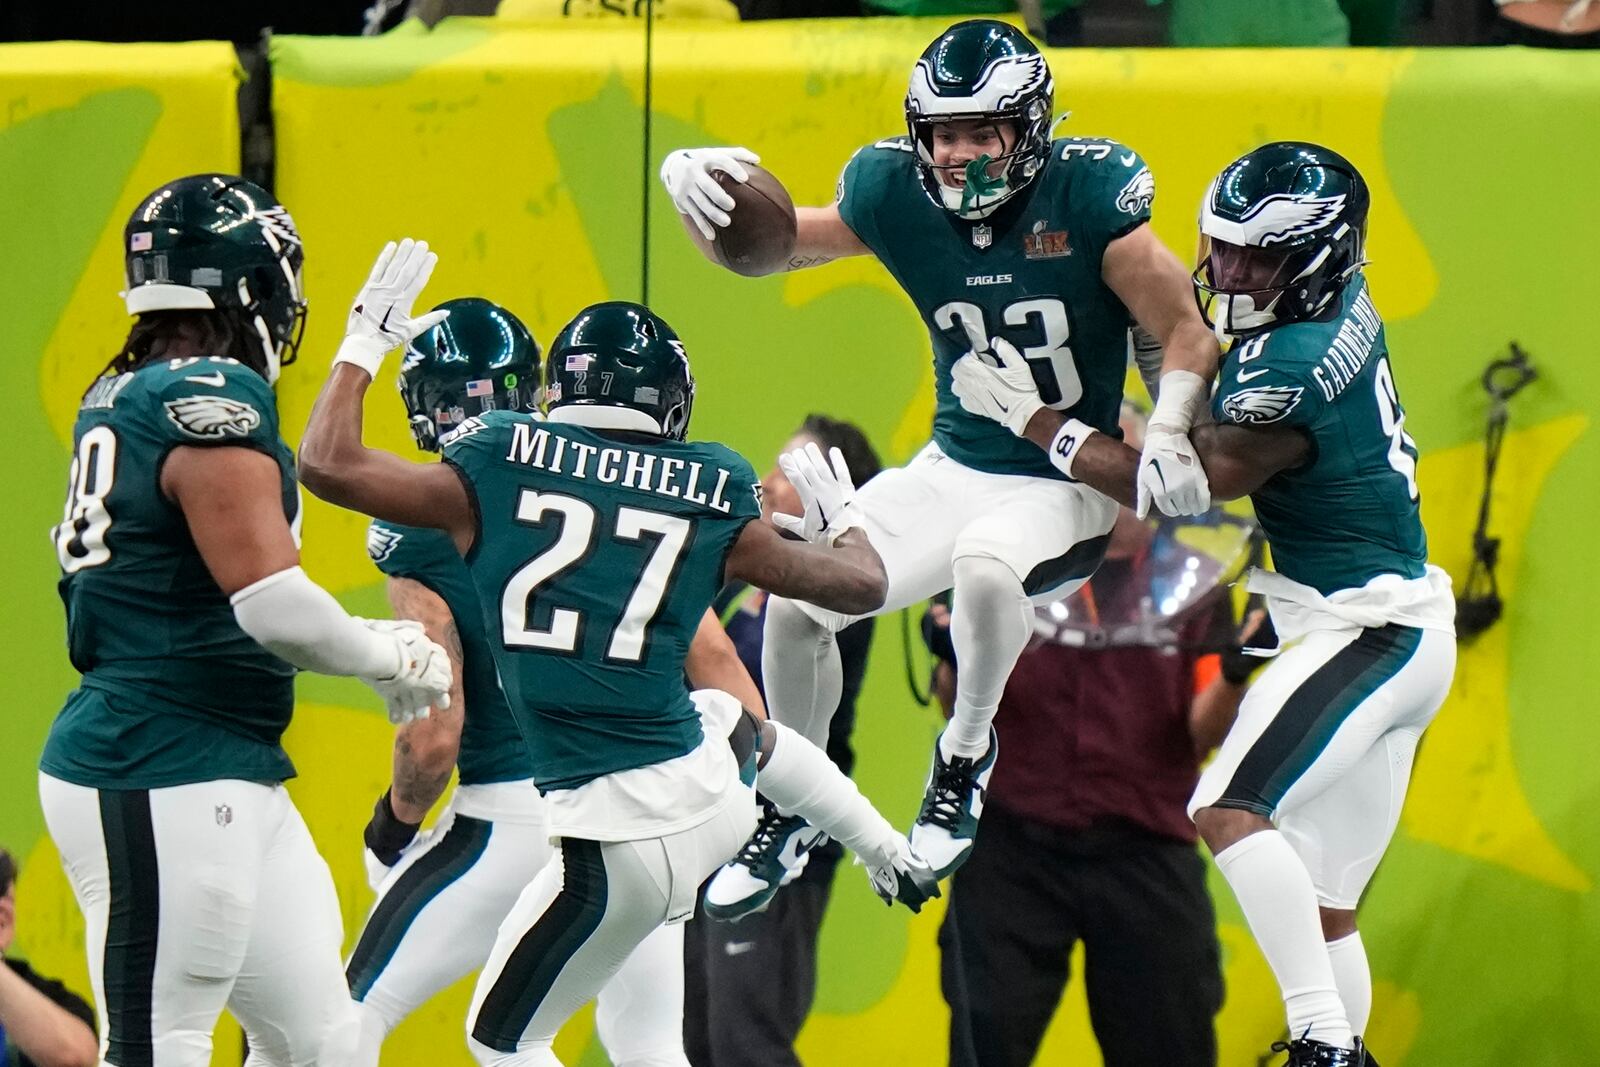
(1147, 356)
(297, 620)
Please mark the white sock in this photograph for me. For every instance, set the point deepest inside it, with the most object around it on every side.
(1280, 904)
(800, 778)
(1354, 977)
(990, 623)
(800, 670)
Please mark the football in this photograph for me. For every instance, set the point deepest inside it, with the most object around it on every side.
(760, 238)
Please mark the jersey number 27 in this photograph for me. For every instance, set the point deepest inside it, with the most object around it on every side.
(578, 519)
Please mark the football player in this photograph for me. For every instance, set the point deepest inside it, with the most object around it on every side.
(596, 542)
(187, 615)
(984, 221)
(443, 894)
(1305, 792)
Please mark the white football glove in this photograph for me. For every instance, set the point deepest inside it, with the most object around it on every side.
(826, 495)
(380, 319)
(687, 174)
(994, 381)
(1170, 475)
(423, 678)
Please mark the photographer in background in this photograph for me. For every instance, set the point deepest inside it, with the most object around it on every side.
(42, 1023)
(1085, 835)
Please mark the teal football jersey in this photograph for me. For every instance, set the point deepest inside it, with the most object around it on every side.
(1351, 511)
(1029, 273)
(596, 556)
(173, 690)
(491, 745)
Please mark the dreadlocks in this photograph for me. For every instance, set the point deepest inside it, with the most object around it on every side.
(218, 333)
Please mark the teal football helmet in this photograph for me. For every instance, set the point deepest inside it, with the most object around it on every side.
(481, 358)
(218, 242)
(619, 366)
(988, 70)
(1282, 229)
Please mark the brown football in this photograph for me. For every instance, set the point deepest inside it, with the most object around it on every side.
(760, 238)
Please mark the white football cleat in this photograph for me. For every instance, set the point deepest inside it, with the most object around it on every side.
(951, 807)
(773, 857)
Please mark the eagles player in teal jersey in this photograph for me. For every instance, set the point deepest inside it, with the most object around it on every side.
(986, 221)
(1305, 792)
(442, 894)
(187, 614)
(596, 542)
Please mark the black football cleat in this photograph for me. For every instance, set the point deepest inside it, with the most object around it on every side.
(1307, 1053)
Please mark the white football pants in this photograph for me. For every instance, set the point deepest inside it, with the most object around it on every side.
(438, 912)
(200, 897)
(1324, 743)
(572, 929)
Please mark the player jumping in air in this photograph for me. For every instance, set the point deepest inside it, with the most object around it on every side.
(988, 224)
(1305, 792)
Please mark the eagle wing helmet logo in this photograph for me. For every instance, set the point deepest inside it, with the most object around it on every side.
(1006, 81)
(276, 221)
(1278, 218)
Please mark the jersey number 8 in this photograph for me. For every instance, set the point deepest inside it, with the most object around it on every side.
(576, 540)
(1392, 418)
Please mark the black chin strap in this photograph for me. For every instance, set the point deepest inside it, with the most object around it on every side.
(1479, 606)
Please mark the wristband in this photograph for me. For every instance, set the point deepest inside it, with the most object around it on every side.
(1066, 443)
(386, 835)
(364, 352)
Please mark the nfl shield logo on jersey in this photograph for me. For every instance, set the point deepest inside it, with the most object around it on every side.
(982, 236)
(224, 815)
